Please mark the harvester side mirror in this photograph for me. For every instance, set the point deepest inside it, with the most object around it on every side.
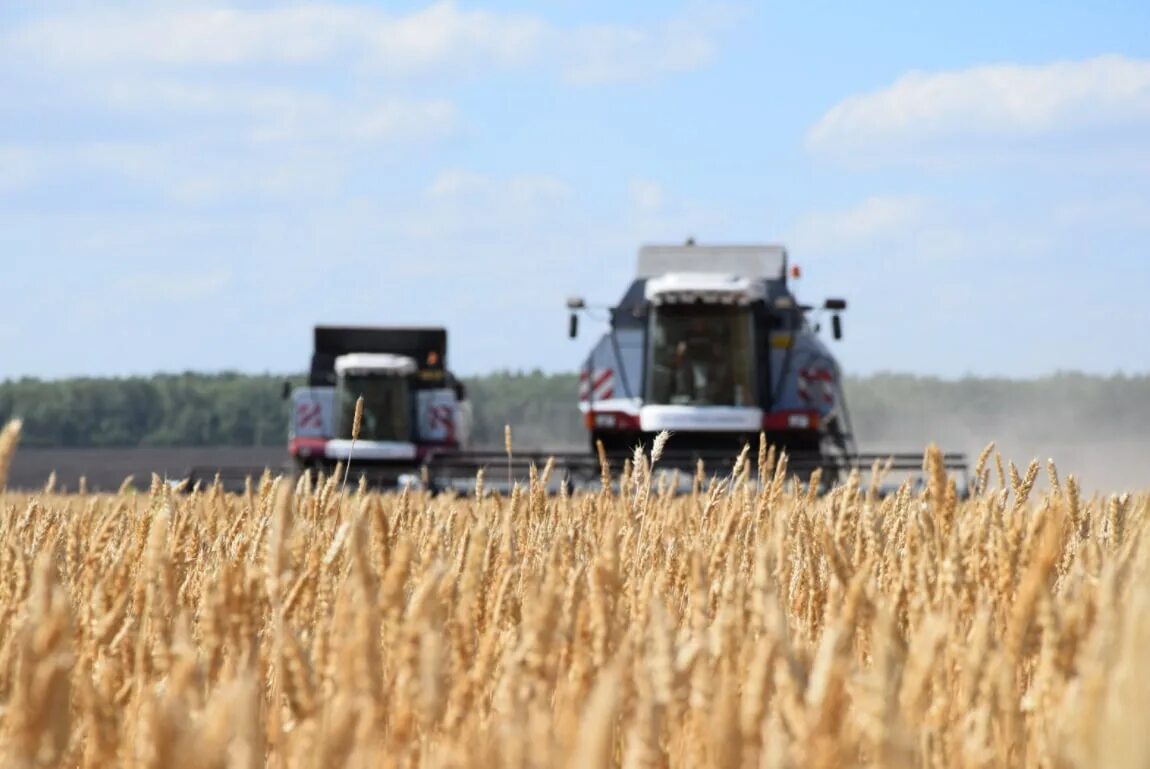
(285, 393)
(836, 327)
(574, 304)
(836, 304)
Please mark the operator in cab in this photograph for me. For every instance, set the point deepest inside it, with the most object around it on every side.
(701, 373)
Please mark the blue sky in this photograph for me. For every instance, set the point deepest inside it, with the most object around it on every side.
(193, 185)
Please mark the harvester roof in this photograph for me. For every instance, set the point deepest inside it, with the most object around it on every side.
(426, 346)
(709, 287)
(760, 270)
(375, 363)
(763, 262)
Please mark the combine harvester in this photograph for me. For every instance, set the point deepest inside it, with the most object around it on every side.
(414, 410)
(708, 342)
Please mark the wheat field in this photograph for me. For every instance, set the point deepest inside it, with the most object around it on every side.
(750, 623)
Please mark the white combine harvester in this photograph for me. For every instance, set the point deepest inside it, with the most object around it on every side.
(414, 409)
(710, 343)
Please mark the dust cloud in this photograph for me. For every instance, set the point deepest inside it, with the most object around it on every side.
(1105, 458)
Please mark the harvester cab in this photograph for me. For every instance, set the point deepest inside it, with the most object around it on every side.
(710, 343)
(414, 407)
(384, 381)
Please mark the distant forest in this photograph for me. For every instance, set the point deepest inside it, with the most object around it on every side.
(242, 410)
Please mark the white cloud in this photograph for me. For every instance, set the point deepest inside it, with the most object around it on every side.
(226, 36)
(942, 285)
(371, 121)
(646, 196)
(221, 110)
(19, 167)
(395, 120)
(466, 185)
(885, 232)
(182, 173)
(191, 96)
(26, 165)
(442, 34)
(992, 111)
(232, 142)
(1120, 213)
(278, 112)
(606, 53)
(875, 219)
(176, 286)
(440, 37)
(464, 200)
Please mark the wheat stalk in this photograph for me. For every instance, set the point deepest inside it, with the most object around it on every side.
(356, 424)
(507, 449)
(9, 439)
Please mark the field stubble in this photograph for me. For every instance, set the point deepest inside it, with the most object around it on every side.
(750, 623)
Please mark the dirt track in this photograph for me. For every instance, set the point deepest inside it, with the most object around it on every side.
(106, 469)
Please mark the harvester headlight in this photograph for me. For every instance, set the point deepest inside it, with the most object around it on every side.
(606, 421)
(800, 421)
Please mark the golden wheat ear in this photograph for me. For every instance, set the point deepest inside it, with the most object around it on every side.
(356, 424)
(9, 440)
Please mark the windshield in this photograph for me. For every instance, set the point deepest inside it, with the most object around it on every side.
(386, 407)
(701, 356)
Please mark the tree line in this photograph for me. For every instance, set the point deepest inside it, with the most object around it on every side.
(232, 409)
(163, 410)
